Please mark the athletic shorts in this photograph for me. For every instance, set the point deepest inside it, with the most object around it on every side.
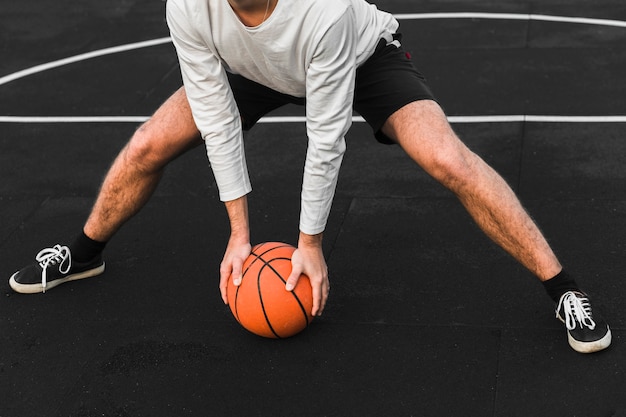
(386, 82)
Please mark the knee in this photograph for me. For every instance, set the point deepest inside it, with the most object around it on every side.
(145, 151)
(455, 170)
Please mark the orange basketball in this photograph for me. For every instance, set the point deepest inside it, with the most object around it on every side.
(261, 304)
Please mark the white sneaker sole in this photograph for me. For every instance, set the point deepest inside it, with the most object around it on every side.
(37, 288)
(590, 347)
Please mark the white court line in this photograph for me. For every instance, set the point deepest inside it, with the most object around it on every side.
(480, 119)
(512, 16)
(407, 16)
(82, 57)
(73, 119)
(410, 16)
(301, 119)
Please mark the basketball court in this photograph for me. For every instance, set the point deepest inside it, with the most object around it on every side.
(426, 317)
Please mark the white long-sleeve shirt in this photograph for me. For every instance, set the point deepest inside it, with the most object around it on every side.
(306, 48)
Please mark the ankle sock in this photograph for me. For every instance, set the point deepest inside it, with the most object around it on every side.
(559, 285)
(85, 249)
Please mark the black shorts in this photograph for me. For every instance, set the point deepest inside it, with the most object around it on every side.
(386, 82)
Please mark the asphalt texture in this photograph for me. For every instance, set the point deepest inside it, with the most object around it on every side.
(426, 316)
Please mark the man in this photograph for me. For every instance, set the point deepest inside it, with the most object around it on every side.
(242, 58)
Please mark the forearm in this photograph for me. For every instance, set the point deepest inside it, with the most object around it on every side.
(238, 216)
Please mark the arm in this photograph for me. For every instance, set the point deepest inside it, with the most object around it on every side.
(330, 93)
(217, 119)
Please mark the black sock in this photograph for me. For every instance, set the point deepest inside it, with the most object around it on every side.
(559, 285)
(85, 249)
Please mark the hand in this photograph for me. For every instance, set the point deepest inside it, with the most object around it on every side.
(232, 264)
(309, 260)
(238, 248)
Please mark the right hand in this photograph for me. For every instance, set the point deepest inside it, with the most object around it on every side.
(232, 265)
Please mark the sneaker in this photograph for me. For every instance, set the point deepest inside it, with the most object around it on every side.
(54, 267)
(587, 332)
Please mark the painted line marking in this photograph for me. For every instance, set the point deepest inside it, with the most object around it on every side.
(301, 119)
(409, 16)
(82, 57)
(512, 16)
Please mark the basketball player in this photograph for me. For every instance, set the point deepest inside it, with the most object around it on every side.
(242, 58)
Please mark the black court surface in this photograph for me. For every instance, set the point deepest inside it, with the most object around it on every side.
(426, 317)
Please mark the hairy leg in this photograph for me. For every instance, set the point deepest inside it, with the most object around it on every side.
(422, 130)
(136, 171)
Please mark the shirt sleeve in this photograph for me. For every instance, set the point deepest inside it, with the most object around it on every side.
(329, 93)
(210, 97)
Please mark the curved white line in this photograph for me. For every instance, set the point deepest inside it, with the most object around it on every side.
(82, 57)
(410, 16)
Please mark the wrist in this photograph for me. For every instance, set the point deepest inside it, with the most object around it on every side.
(238, 216)
(239, 236)
(310, 240)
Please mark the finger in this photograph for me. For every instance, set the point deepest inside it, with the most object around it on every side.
(224, 275)
(292, 281)
(318, 306)
(324, 290)
(237, 273)
(325, 293)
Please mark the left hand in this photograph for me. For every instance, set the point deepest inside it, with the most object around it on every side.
(308, 259)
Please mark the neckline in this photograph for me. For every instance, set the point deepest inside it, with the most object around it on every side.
(270, 14)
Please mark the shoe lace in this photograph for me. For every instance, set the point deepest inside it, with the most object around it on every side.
(576, 308)
(57, 255)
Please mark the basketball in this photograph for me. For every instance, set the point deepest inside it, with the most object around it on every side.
(261, 304)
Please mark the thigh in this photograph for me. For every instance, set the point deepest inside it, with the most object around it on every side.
(386, 82)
